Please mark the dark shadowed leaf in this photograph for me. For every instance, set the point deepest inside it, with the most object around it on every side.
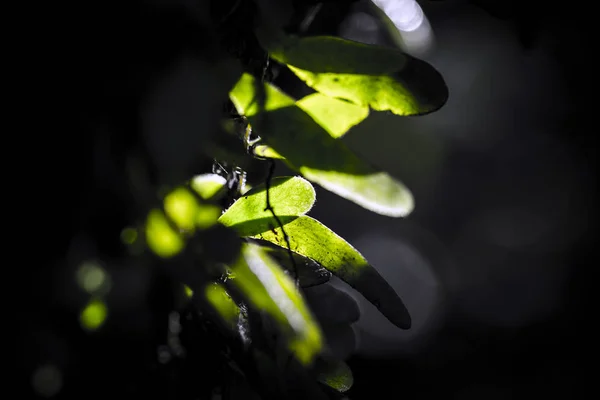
(335, 374)
(180, 113)
(332, 305)
(298, 384)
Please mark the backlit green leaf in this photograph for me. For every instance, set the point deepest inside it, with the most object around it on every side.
(208, 185)
(310, 238)
(166, 232)
(309, 272)
(163, 240)
(217, 296)
(380, 77)
(320, 158)
(288, 196)
(268, 288)
(265, 151)
(208, 215)
(244, 97)
(334, 115)
(182, 207)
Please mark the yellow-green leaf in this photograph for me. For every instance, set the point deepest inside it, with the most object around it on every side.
(334, 115)
(163, 240)
(309, 238)
(217, 296)
(320, 158)
(182, 207)
(208, 185)
(166, 232)
(268, 288)
(186, 211)
(207, 216)
(288, 196)
(245, 97)
(262, 150)
(380, 77)
(308, 272)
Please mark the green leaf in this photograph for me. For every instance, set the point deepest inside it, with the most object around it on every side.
(310, 273)
(320, 158)
(186, 211)
(336, 375)
(265, 151)
(166, 232)
(217, 296)
(269, 289)
(208, 185)
(163, 240)
(246, 100)
(309, 238)
(334, 115)
(214, 301)
(288, 196)
(182, 207)
(380, 77)
(207, 216)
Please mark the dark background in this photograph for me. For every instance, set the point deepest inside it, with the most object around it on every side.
(504, 182)
(494, 264)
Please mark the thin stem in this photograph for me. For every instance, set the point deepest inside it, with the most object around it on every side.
(269, 207)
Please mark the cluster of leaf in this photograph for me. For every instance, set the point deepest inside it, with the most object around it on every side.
(247, 262)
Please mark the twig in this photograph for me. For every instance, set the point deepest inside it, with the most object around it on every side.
(269, 207)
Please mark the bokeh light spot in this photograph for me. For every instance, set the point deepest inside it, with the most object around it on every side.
(129, 235)
(208, 216)
(93, 315)
(92, 278)
(47, 380)
(160, 237)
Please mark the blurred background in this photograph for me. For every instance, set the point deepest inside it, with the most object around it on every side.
(493, 261)
(494, 264)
